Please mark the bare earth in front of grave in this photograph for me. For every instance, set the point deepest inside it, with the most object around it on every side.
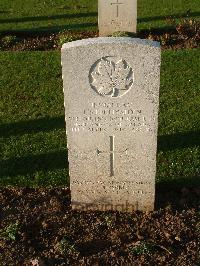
(185, 35)
(38, 227)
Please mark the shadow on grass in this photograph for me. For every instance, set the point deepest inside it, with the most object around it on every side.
(32, 126)
(34, 163)
(174, 16)
(166, 142)
(178, 193)
(91, 14)
(43, 18)
(49, 29)
(178, 141)
(4, 12)
(58, 160)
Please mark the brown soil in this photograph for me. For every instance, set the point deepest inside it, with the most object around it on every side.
(170, 39)
(48, 232)
(39, 42)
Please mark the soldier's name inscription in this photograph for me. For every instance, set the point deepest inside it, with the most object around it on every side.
(102, 116)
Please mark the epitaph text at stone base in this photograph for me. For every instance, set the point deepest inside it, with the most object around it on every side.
(111, 91)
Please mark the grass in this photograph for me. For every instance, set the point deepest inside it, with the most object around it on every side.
(33, 141)
(34, 146)
(65, 247)
(143, 248)
(10, 232)
(54, 16)
(179, 124)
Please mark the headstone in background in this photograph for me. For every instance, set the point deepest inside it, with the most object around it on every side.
(111, 91)
(117, 15)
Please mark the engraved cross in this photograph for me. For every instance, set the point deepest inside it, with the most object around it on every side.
(117, 4)
(112, 153)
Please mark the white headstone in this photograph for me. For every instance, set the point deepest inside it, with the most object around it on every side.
(117, 15)
(111, 92)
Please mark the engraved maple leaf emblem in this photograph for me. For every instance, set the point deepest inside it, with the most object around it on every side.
(112, 79)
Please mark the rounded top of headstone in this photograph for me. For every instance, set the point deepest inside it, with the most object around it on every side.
(111, 40)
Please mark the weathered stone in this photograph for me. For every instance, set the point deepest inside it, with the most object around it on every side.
(111, 91)
(117, 15)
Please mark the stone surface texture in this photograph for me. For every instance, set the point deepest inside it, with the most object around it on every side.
(111, 94)
(117, 15)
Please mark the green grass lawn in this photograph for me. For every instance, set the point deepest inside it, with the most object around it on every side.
(33, 141)
(58, 15)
